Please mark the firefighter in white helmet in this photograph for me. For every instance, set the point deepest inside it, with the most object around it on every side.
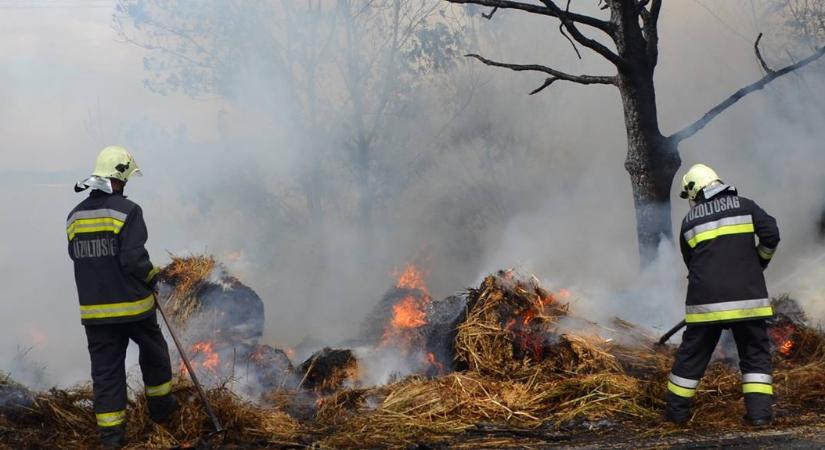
(115, 285)
(726, 289)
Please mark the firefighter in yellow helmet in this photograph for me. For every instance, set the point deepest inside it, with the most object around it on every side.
(115, 285)
(726, 289)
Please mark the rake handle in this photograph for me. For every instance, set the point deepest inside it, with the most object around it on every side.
(216, 424)
(671, 332)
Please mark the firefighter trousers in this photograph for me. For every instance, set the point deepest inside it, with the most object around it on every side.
(698, 343)
(107, 348)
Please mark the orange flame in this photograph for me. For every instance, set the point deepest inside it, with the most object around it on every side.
(409, 313)
(412, 278)
(205, 353)
(782, 337)
(526, 327)
(433, 362)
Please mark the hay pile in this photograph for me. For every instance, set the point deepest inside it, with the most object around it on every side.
(64, 419)
(523, 376)
(564, 382)
(184, 276)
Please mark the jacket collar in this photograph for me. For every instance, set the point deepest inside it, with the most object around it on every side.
(709, 193)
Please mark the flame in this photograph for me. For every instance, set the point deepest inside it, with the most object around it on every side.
(782, 337)
(412, 278)
(409, 313)
(203, 355)
(433, 362)
(526, 326)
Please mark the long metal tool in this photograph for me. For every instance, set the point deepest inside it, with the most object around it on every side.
(671, 332)
(802, 270)
(216, 424)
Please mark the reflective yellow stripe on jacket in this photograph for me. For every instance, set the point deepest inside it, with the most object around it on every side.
(724, 226)
(112, 310)
(94, 226)
(729, 311)
(152, 274)
(93, 221)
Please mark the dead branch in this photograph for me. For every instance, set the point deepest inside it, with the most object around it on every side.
(599, 24)
(569, 23)
(555, 75)
(561, 30)
(693, 128)
(489, 15)
(759, 55)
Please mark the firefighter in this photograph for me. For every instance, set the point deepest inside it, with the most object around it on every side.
(115, 285)
(726, 289)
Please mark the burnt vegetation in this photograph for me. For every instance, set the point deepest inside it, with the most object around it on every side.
(516, 367)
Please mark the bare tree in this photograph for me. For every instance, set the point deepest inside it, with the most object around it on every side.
(652, 157)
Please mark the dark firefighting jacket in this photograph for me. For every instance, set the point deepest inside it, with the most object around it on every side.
(725, 263)
(112, 269)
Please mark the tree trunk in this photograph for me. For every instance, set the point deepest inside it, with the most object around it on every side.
(362, 170)
(652, 161)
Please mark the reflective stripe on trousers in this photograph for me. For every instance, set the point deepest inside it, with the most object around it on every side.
(683, 387)
(757, 383)
(159, 390)
(111, 419)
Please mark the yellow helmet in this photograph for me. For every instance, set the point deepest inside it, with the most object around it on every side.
(698, 177)
(115, 162)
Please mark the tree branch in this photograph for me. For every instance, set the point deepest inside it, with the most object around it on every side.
(489, 15)
(761, 83)
(569, 23)
(561, 30)
(555, 75)
(599, 24)
(761, 60)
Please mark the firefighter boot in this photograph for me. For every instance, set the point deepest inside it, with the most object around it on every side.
(677, 409)
(161, 409)
(760, 409)
(113, 437)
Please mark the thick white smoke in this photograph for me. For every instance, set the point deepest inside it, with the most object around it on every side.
(477, 177)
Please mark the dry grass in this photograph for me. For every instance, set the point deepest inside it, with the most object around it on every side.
(511, 384)
(64, 419)
(186, 275)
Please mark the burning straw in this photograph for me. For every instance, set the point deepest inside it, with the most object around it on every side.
(186, 275)
(521, 372)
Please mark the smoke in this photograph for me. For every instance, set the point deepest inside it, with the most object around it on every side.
(466, 172)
